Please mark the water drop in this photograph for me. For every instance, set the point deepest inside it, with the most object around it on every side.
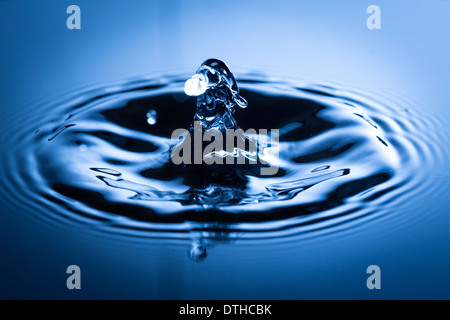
(196, 85)
(151, 117)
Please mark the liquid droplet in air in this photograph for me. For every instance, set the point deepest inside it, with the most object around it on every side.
(151, 117)
(196, 85)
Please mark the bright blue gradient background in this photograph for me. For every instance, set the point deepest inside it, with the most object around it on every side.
(319, 40)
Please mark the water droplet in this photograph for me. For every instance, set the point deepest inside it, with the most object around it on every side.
(83, 147)
(151, 117)
(196, 85)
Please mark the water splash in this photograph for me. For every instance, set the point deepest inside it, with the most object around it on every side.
(217, 94)
(343, 155)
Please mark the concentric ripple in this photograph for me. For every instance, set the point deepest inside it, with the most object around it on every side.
(102, 158)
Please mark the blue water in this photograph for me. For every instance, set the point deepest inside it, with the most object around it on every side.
(86, 120)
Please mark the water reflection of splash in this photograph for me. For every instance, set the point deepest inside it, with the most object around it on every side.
(205, 236)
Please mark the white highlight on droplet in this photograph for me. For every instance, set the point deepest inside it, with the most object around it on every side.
(196, 85)
(151, 117)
